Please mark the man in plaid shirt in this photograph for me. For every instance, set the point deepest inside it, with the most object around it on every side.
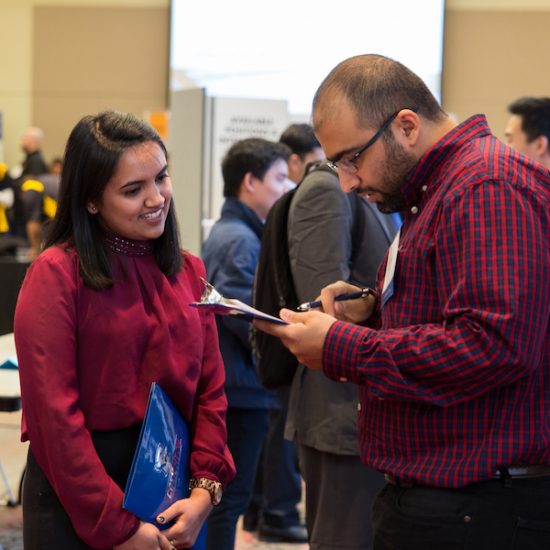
(452, 358)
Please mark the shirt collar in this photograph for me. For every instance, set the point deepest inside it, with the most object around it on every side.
(127, 247)
(420, 178)
(233, 208)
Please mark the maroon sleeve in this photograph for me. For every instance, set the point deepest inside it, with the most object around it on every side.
(210, 456)
(45, 337)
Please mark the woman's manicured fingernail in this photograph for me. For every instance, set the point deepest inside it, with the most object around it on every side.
(160, 519)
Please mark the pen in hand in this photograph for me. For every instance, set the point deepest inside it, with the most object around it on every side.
(342, 297)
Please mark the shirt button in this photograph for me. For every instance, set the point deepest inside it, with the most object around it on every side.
(414, 209)
(467, 519)
(343, 379)
(424, 187)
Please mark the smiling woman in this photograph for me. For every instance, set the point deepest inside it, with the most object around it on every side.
(115, 171)
(136, 200)
(102, 314)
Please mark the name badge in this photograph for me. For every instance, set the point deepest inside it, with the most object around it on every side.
(387, 288)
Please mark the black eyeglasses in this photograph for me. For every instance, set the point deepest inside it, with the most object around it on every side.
(349, 165)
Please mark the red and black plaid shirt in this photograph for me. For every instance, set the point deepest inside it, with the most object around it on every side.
(455, 380)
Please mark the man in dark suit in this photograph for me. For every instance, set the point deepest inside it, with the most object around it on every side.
(31, 143)
(332, 236)
(273, 510)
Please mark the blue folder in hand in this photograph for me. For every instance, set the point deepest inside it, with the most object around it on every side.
(160, 470)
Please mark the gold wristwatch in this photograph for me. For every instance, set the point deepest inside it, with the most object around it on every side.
(213, 487)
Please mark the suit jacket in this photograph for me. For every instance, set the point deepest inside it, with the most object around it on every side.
(323, 413)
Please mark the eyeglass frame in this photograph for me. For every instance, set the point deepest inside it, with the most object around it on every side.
(349, 165)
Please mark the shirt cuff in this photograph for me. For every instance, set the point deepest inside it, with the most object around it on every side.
(340, 350)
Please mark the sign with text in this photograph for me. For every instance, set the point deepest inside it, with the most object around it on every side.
(234, 119)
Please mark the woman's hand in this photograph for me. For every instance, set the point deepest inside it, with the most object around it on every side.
(188, 514)
(147, 537)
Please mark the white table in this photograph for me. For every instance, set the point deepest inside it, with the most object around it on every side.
(10, 399)
(10, 392)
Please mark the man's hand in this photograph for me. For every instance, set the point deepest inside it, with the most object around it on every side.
(305, 335)
(352, 311)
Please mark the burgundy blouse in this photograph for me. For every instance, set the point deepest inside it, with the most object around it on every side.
(87, 359)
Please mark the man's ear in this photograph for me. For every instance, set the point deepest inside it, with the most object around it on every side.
(540, 145)
(248, 182)
(409, 126)
(294, 163)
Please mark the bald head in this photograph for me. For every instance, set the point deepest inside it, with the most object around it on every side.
(32, 139)
(374, 87)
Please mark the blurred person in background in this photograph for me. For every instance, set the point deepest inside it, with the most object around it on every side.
(305, 147)
(273, 511)
(255, 173)
(6, 198)
(31, 144)
(38, 195)
(56, 165)
(528, 128)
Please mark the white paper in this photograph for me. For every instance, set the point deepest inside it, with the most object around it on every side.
(232, 306)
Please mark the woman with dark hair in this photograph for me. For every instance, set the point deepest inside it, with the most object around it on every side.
(101, 315)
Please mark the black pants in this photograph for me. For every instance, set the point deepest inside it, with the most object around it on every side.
(46, 525)
(511, 515)
(246, 429)
(278, 486)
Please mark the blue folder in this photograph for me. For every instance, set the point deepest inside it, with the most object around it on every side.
(160, 469)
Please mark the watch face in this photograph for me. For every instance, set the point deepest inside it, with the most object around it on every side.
(213, 487)
(217, 495)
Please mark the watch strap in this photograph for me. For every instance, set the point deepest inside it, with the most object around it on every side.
(213, 487)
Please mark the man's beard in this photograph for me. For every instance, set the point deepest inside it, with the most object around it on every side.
(398, 165)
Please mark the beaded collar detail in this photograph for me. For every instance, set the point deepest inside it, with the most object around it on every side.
(127, 247)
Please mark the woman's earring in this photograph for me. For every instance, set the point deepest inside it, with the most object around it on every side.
(92, 209)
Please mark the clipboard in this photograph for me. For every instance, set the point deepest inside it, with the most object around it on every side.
(212, 300)
(231, 306)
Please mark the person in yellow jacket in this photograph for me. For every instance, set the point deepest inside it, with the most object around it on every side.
(6, 198)
(39, 198)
